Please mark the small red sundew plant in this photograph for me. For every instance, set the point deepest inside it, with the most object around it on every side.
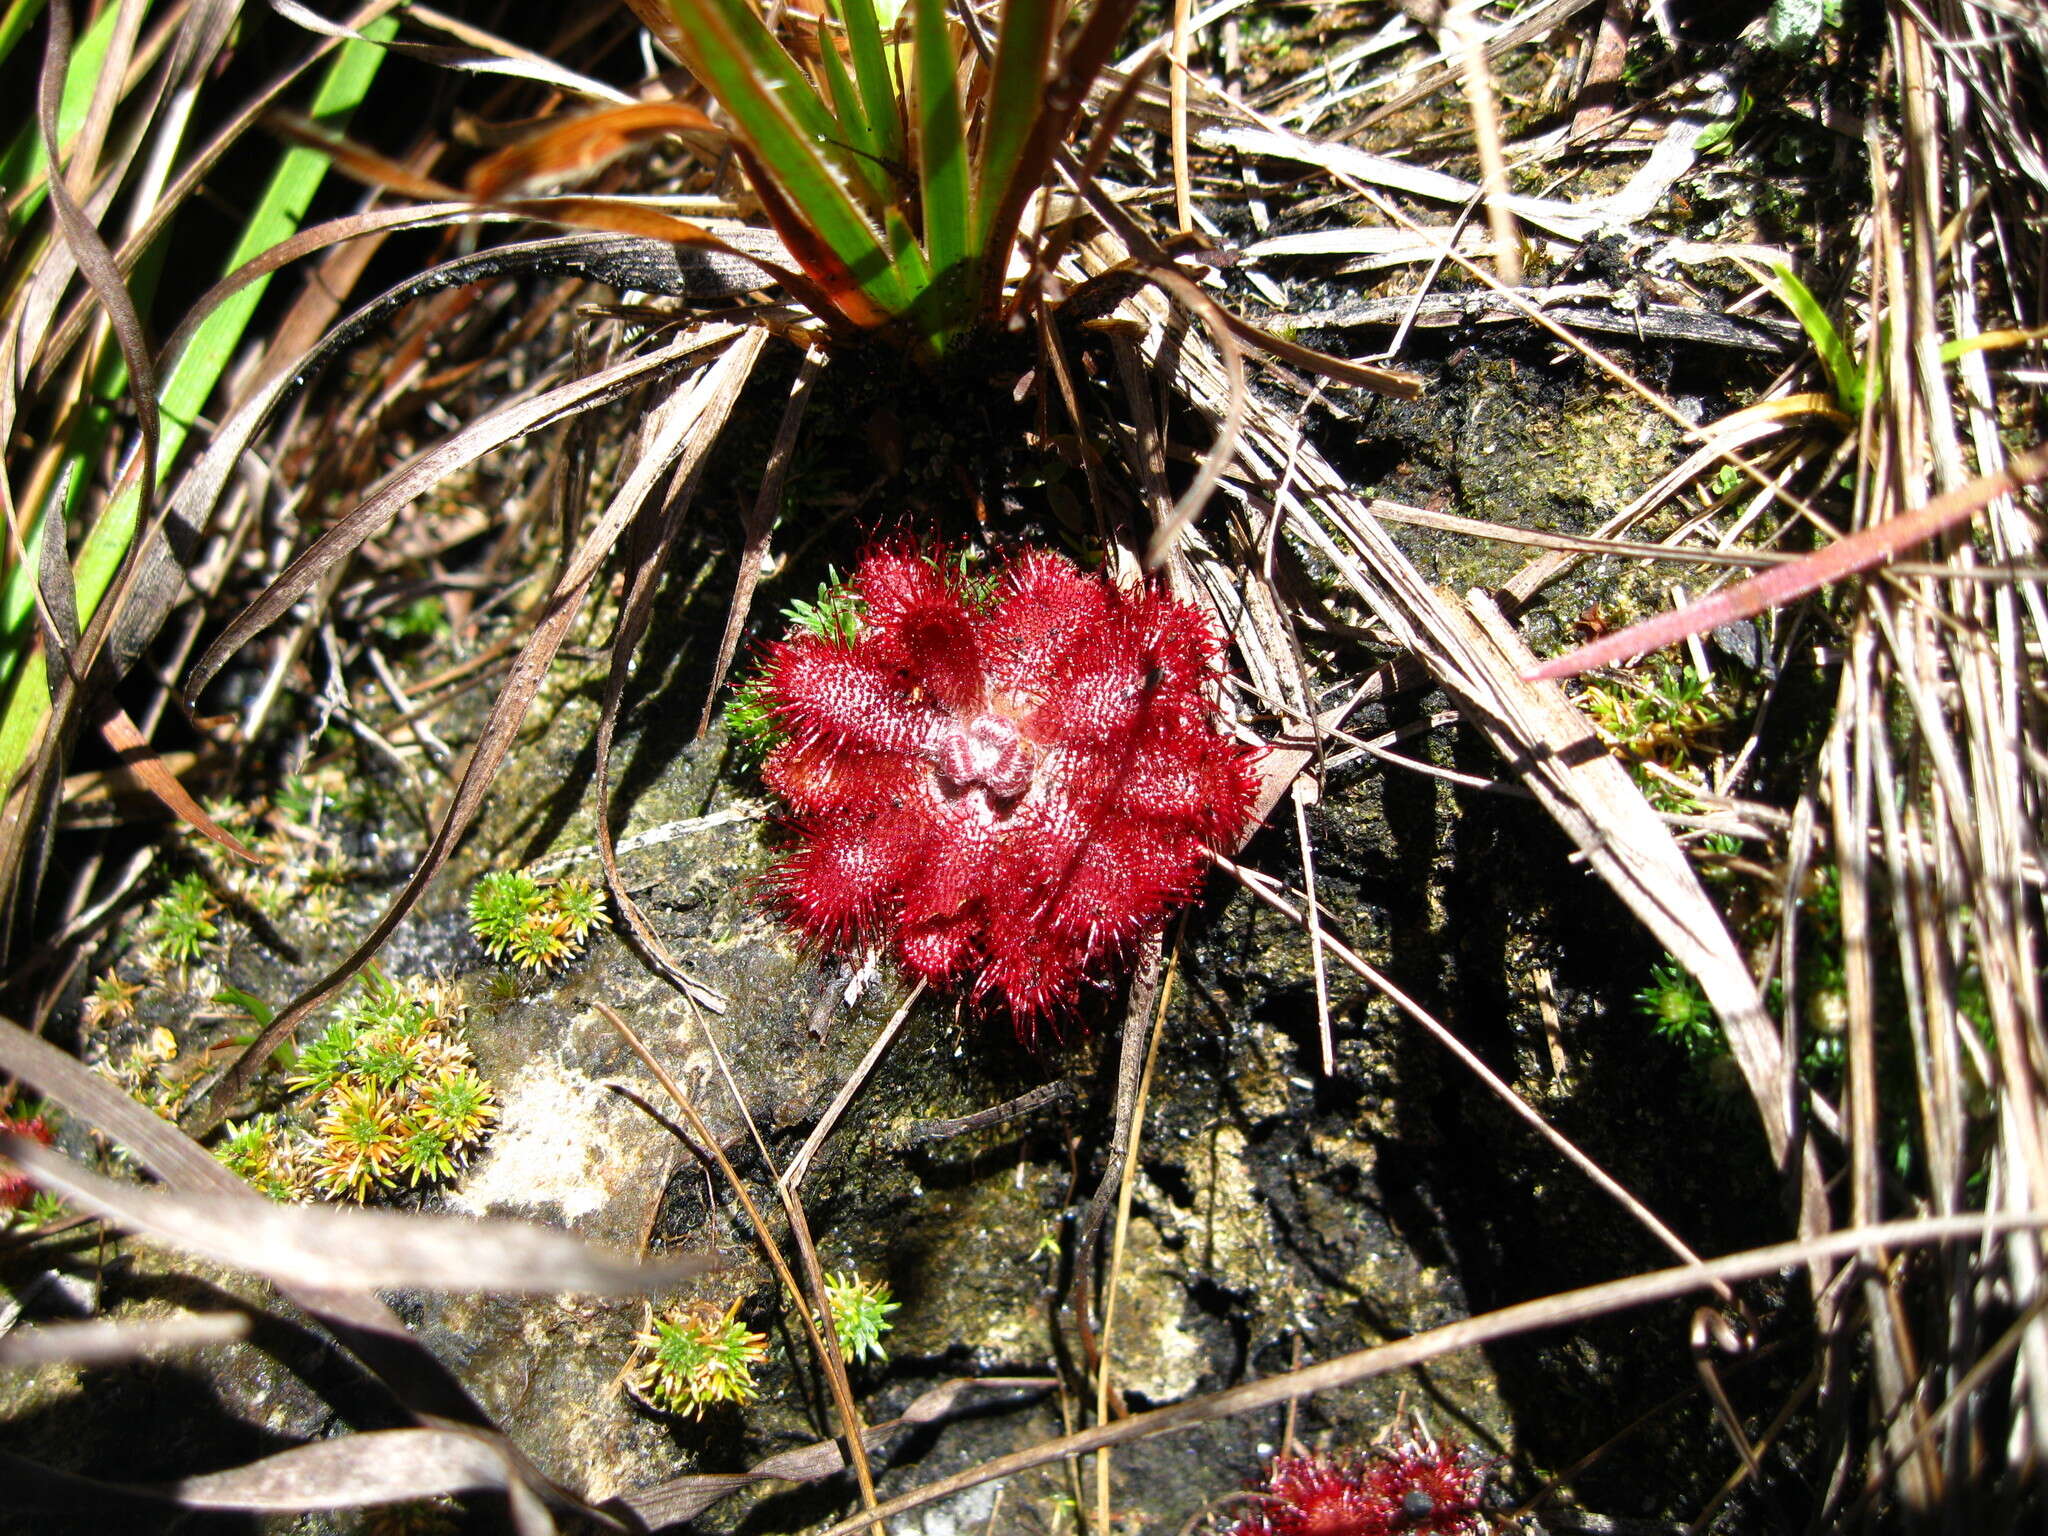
(1007, 781)
(15, 1187)
(1407, 1489)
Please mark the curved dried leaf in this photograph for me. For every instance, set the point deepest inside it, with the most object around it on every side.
(515, 419)
(141, 759)
(58, 588)
(584, 143)
(102, 1343)
(201, 485)
(685, 425)
(313, 1246)
(317, 237)
(376, 1467)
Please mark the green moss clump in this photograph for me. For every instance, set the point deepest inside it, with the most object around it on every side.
(389, 1098)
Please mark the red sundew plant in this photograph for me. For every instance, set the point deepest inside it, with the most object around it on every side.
(1008, 782)
(1406, 1488)
(15, 1186)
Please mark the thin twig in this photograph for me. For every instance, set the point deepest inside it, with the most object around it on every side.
(1556, 1311)
(808, 1311)
(800, 1165)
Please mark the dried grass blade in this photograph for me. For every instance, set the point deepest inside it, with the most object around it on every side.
(332, 101)
(599, 213)
(1859, 551)
(162, 1147)
(1395, 383)
(1597, 804)
(800, 1165)
(684, 1498)
(138, 571)
(651, 558)
(1223, 452)
(486, 55)
(201, 486)
(1267, 890)
(88, 178)
(402, 485)
(375, 1467)
(583, 144)
(363, 1323)
(309, 1246)
(812, 1307)
(95, 261)
(141, 759)
(1593, 799)
(103, 1343)
(356, 162)
(688, 421)
(760, 524)
(1556, 1311)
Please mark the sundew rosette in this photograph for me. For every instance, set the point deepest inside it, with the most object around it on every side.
(1008, 781)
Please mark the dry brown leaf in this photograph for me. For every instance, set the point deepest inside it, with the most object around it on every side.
(583, 144)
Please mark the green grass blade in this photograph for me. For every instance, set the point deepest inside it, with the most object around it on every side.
(277, 215)
(728, 40)
(853, 120)
(20, 16)
(23, 160)
(876, 80)
(1084, 56)
(917, 276)
(771, 113)
(942, 172)
(1844, 372)
(1015, 101)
